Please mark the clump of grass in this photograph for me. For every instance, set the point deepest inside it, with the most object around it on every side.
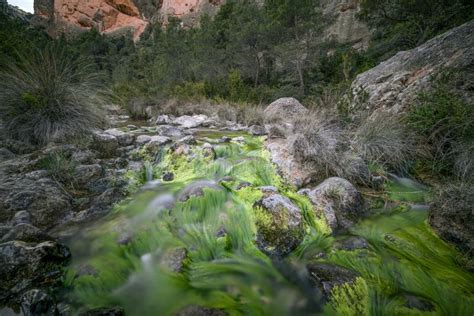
(384, 140)
(60, 167)
(318, 142)
(48, 96)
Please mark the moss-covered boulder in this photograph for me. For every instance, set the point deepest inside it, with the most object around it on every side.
(280, 226)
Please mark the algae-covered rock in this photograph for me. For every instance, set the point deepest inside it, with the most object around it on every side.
(327, 276)
(339, 201)
(197, 189)
(37, 302)
(279, 225)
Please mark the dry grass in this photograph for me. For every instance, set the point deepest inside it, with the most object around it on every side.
(48, 96)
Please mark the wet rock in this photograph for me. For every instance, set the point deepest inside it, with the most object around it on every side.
(327, 276)
(173, 259)
(244, 184)
(239, 139)
(279, 225)
(208, 151)
(225, 139)
(163, 119)
(180, 149)
(85, 174)
(143, 139)
(156, 143)
(197, 189)
(257, 130)
(351, 243)
(37, 302)
(105, 144)
(168, 176)
(196, 310)
(269, 189)
(24, 265)
(187, 121)
(26, 233)
(339, 201)
(190, 140)
(124, 139)
(169, 131)
(105, 311)
(5, 154)
(21, 217)
(416, 302)
(132, 127)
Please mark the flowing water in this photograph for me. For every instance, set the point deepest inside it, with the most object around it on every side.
(160, 252)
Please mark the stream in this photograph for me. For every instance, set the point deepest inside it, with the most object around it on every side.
(188, 246)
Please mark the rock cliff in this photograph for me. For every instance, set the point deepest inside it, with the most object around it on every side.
(133, 16)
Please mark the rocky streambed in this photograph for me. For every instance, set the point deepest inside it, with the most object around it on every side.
(190, 216)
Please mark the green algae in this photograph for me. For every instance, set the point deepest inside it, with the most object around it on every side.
(225, 269)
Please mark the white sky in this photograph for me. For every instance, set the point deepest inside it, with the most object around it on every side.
(25, 5)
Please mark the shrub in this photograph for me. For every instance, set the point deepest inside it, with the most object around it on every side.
(48, 96)
(383, 139)
(60, 167)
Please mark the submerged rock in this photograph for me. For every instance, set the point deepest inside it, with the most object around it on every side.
(280, 226)
(339, 201)
(327, 276)
(23, 265)
(351, 243)
(197, 189)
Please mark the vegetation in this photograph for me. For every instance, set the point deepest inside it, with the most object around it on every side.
(46, 96)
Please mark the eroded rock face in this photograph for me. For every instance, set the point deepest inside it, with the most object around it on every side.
(394, 84)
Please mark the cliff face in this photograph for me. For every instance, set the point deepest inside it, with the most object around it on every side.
(120, 16)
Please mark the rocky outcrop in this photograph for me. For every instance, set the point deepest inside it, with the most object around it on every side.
(344, 26)
(395, 83)
(116, 16)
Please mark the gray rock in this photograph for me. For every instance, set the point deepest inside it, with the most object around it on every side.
(169, 131)
(173, 259)
(208, 151)
(225, 139)
(279, 223)
(239, 139)
(86, 174)
(163, 119)
(21, 217)
(124, 139)
(143, 139)
(5, 154)
(284, 110)
(351, 243)
(85, 157)
(190, 140)
(168, 176)
(37, 302)
(26, 233)
(156, 143)
(180, 149)
(339, 201)
(23, 266)
(187, 121)
(197, 189)
(327, 276)
(394, 83)
(257, 130)
(105, 144)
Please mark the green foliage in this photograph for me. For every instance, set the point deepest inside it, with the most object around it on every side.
(60, 167)
(46, 95)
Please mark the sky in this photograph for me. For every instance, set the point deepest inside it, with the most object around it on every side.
(25, 5)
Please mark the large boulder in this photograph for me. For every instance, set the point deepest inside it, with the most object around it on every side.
(339, 201)
(452, 216)
(187, 121)
(395, 83)
(284, 110)
(279, 222)
(24, 265)
(124, 139)
(105, 144)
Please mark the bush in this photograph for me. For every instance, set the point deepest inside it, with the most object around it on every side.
(383, 140)
(47, 96)
(60, 167)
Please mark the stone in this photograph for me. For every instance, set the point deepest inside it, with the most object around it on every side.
(180, 149)
(163, 119)
(196, 189)
(173, 259)
(26, 233)
(169, 131)
(225, 139)
(168, 176)
(86, 174)
(284, 110)
(419, 303)
(23, 266)
(37, 302)
(190, 140)
(327, 276)
(208, 151)
(143, 139)
(106, 144)
(257, 130)
(339, 201)
(124, 139)
(156, 143)
(84, 157)
(21, 217)
(239, 139)
(280, 227)
(5, 154)
(187, 121)
(395, 83)
(351, 243)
